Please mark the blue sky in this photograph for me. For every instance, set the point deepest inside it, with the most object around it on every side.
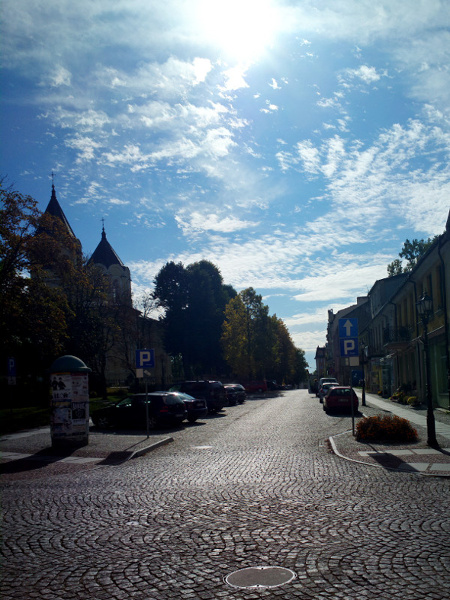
(294, 144)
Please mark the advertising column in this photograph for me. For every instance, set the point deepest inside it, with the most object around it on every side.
(69, 420)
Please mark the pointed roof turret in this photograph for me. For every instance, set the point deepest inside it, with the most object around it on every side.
(104, 254)
(54, 209)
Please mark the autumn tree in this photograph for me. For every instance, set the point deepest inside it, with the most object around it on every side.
(248, 337)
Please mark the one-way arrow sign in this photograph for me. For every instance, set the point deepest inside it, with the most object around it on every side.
(348, 334)
(348, 328)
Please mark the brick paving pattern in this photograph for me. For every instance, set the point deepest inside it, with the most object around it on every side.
(257, 487)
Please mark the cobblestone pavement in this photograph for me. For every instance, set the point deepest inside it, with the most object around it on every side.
(257, 487)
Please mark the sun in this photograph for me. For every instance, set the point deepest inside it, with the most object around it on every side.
(241, 29)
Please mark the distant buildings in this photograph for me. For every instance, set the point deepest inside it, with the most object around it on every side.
(391, 334)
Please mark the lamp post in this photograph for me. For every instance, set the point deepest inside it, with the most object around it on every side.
(424, 309)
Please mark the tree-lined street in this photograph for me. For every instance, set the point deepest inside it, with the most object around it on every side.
(258, 487)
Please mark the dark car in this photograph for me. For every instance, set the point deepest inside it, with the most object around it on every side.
(197, 408)
(273, 385)
(211, 391)
(340, 398)
(235, 393)
(164, 408)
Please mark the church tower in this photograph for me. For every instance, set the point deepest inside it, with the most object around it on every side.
(65, 243)
(106, 258)
(54, 209)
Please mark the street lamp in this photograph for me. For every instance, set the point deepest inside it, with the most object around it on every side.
(425, 309)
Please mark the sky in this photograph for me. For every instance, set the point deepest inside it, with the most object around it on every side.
(294, 144)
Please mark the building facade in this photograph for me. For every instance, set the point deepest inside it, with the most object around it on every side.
(392, 340)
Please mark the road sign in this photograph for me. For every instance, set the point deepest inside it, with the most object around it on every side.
(145, 359)
(348, 328)
(349, 346)
(11, 370)
(348, 334)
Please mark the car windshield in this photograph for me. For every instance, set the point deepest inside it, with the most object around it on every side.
(184, 396)
(124, 402)
(172, 399)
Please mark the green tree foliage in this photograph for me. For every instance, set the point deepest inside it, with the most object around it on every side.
(411, 251)
(194, 300)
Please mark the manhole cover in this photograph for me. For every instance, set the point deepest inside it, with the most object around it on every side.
(260, 577)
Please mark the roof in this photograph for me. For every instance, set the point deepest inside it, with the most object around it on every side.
(54, 209)
(104, 254)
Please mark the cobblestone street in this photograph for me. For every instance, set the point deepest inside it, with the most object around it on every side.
(255, 487)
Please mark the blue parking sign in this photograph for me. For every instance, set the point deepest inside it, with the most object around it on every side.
(145, 359)
(349, 347)
(348, 328)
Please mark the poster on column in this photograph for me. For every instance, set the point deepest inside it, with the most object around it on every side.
(69, 407)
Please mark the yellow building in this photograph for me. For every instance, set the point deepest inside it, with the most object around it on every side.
(405, 343)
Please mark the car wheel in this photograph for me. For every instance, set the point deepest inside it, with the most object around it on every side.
(192, 419)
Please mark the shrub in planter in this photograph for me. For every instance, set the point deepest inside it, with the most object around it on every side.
(387, 428)
(413, 401)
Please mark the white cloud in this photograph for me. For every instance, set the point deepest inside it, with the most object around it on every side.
(365, 73)
(201, 222)
(85, 146)
(59, 76)
(235, 79)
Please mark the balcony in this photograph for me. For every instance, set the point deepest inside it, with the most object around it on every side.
(396, 338)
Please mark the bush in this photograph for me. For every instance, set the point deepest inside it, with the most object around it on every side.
(413, 401)
(386, 428)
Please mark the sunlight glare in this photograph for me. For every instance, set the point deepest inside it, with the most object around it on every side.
(242, 29)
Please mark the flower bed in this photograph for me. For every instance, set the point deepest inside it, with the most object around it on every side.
(387, 428)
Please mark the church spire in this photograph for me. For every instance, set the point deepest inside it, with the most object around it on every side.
(54, 209)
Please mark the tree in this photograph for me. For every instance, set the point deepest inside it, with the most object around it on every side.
(208, 298)
(52, 301)
(248, 338)
(194, 300)
(235, 338)
(412, 251)
(31, 313)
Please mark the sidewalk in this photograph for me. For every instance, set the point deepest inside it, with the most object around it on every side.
(411, 458)
(103, 448)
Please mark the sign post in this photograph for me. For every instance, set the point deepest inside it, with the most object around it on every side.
(348, 339)
(145, 359)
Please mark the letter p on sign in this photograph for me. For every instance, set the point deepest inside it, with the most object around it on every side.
(349, 346)
(145, 359)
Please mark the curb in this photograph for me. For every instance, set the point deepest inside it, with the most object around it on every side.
(361, 462)
(142, 451)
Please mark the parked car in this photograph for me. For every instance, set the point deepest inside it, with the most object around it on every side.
(164, 408)
(323, 389)
(197, 408)
(235, 393)
(255, 386)
(340, 398)
(323, 380)
(273, 385)
(211, 391)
